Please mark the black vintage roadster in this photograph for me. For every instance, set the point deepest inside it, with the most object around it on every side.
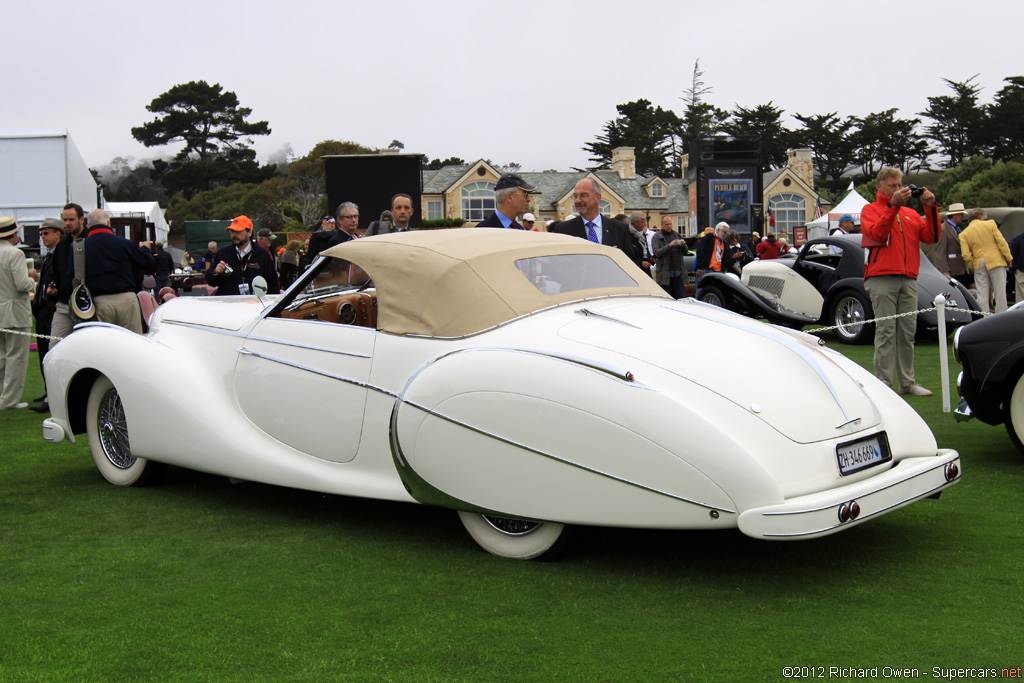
(824, 285)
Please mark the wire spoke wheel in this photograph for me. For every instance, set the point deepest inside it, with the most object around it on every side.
(107, 427)
(113, 431)
(713, 295)
(849, 313)
(511, 526)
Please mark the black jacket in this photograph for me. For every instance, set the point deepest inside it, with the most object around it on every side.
(493, 221)
(325, 239)
(109, 260)
(614, 234)
(164, 262)
(43, 306)
(258, 262)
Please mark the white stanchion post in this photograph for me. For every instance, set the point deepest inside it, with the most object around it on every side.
(940, 311)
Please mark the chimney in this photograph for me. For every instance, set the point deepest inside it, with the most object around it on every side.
(801, 163)
(624, 162)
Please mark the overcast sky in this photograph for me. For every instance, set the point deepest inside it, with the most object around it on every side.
(527, 81)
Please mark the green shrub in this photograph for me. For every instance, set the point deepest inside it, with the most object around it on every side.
(444, 223)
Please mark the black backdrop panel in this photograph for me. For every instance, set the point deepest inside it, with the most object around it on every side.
(371, 180)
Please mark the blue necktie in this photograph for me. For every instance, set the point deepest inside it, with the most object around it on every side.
(592, 233)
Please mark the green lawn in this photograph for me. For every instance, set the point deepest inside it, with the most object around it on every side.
(201, 580)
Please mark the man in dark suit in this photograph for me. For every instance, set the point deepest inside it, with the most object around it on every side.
(512, 196)
(591, 225)
(400, 215)
(44, 305)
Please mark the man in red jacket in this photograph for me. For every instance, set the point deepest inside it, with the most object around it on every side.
(893, 235)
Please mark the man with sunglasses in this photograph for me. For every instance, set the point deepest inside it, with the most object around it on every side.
(333, 231)
(512, 196)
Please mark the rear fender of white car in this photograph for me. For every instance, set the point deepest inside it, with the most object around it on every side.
(530, 434)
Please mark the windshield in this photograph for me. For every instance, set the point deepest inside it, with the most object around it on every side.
(336, 272)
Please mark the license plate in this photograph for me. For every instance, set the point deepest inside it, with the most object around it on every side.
(855, 456)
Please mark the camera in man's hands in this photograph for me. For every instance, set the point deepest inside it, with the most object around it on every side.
(227, 270)
(915, 191)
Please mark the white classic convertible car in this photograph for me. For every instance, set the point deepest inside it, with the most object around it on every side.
(528, 381)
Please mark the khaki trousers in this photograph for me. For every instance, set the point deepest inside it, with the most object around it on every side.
(991, 282)
(120, 309)
(894, 339)
(62, 323)
(13, 365)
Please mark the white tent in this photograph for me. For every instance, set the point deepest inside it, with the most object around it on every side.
(40, 172)
(151, 210)
(852, 204)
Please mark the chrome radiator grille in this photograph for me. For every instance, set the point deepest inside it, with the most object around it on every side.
(767, 286)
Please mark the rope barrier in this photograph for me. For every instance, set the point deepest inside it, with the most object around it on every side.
(31, 334)
(893, 317)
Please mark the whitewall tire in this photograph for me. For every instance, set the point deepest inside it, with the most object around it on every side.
(1014, 417)
(108, 439)
(515, 538)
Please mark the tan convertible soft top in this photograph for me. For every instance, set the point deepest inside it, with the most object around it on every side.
(454, 282)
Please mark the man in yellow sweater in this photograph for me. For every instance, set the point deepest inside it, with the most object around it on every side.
(987, 254)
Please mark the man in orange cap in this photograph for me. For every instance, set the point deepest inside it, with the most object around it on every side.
(234, 267)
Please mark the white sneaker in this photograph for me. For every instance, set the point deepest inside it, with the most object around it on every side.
(16, 406)
(917, 390)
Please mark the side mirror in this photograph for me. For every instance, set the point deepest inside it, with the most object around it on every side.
(259, 286)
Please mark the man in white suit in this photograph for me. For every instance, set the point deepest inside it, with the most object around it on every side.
(16, 281)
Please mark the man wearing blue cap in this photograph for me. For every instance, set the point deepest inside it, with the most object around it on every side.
(847, 226)
(512, 197)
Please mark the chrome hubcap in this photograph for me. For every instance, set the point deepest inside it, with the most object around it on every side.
(512, 527)
(851, 317)
(113, 431)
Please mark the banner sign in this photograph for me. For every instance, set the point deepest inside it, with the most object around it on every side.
(729, 201)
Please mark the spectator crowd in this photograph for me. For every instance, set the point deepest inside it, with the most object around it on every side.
(87, 272)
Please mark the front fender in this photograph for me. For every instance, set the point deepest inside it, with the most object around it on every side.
(743, 299)
(156, 383)
(174, 394)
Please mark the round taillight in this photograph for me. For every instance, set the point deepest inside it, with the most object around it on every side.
(844, 513)
(952, 471)
(849, 511)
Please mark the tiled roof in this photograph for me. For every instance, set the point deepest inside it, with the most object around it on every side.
(436, 182)
(769, 177)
